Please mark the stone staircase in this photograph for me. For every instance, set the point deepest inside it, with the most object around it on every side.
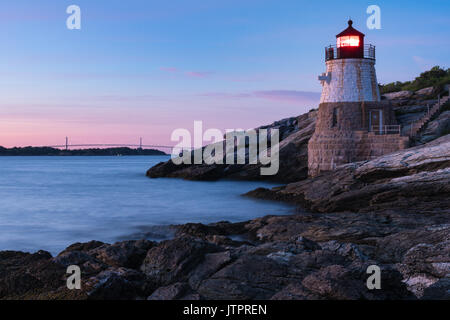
(418, 125)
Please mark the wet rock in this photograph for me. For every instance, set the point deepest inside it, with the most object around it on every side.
(73, 257)
(330, 282)
(25, 275)
(349, 283)
(171, 292)
(302, 256)
(295, 291)
(171, 260)
(393, 247)
(82, 246)
(284, 249)
(211, 263)
(117, 284)
(353, 227)
(128, 254)
(306, 262)
(249, 277)
(349, 250)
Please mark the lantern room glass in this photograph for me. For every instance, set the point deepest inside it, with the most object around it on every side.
(348, 41)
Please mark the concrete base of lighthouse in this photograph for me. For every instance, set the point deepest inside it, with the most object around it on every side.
(342, 135)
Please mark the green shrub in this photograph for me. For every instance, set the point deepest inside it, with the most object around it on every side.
(435, 77)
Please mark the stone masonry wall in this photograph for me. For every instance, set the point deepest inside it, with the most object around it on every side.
(352, 115)
(330, 149)
(342, 136)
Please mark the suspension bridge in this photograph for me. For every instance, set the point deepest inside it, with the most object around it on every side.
(141, 145)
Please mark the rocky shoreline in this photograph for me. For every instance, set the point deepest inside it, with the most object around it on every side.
(393, 212)
(417, 178)
(301, 256)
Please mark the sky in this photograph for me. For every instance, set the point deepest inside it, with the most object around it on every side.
(143, 68)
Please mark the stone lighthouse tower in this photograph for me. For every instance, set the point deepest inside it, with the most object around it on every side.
(353, 123)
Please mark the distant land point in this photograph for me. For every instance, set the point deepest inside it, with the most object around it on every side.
(48, 151)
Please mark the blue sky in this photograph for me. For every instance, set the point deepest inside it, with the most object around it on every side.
(144, 68)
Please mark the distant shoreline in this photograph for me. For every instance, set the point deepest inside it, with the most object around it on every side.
(48, 151)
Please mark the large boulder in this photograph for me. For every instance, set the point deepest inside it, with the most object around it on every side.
(349, 283)
(171, 292)
(414, 179)
(32, 276)
(424, 92)
(249, 277)
(117, 284)
(128, 254)
(172, 260)
(436, 128)
(293, 152)
(398, 95)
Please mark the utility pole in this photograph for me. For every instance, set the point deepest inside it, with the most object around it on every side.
(67, 143)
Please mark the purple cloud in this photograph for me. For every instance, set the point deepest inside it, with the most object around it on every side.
(287, 95)
(275, 95)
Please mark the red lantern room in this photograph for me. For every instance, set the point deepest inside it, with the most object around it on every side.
(350, 44)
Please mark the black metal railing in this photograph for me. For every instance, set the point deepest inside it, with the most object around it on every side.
(332, 52)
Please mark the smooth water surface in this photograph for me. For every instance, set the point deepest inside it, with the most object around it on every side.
(49, 203)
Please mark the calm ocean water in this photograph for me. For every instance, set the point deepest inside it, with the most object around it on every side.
(51, 202)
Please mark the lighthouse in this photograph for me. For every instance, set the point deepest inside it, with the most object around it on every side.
(350, 69)
(353, 123)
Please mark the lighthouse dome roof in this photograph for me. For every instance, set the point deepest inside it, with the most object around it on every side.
(350, 31)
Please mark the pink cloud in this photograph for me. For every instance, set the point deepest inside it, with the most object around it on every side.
(169, 69)
(198, 74)
(192, 74)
